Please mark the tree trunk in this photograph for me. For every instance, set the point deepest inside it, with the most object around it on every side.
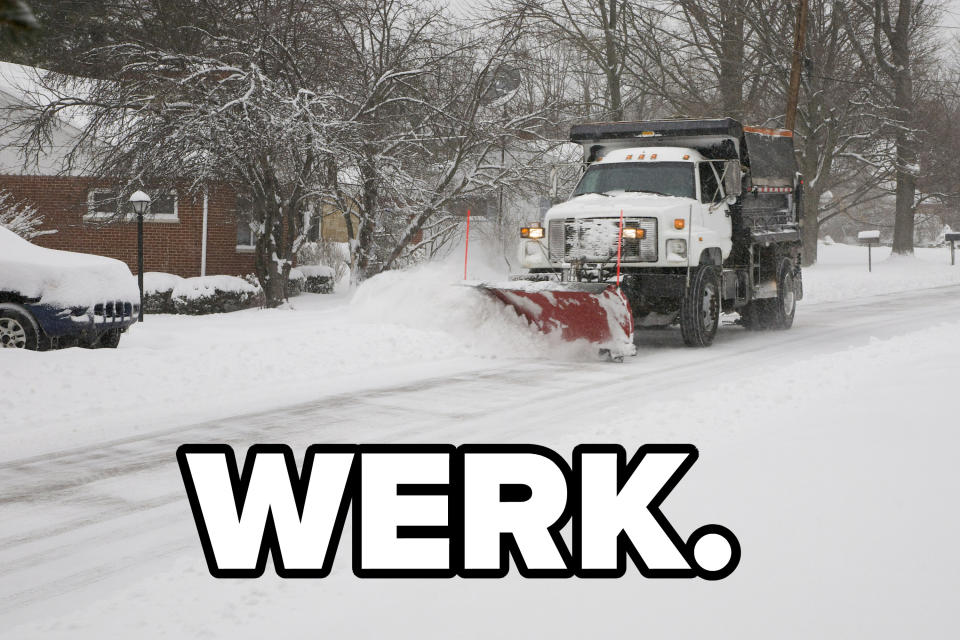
(906, 166)
(731, 59)
(906, 140)
(810, 225)
(612, 62)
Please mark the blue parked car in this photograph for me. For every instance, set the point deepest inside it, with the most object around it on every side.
(51, 299)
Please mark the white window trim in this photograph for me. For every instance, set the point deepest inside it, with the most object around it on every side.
(105, 216)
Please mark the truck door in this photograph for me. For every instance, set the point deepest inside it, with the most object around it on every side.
(716, 224)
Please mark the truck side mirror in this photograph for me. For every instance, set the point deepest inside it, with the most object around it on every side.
(732, 179)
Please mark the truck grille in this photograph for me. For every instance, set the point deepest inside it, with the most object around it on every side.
(595, 240)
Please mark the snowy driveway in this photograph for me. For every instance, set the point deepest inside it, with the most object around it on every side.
(827, 450)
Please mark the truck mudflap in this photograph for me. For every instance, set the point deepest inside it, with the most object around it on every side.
(596, 312)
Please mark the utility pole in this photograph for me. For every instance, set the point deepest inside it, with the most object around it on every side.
(799, 38)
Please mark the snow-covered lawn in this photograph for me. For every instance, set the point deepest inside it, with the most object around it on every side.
(841, 272)
(399, 327)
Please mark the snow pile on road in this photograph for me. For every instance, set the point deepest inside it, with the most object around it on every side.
(841, 273)
(62, 278)
(431, 297)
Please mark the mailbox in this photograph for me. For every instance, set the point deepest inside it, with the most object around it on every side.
(871, 239)
(952, 238)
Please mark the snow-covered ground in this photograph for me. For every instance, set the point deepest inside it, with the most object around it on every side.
(827, 450)
(175, 369)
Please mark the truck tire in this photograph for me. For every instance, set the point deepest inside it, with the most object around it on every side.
(18, 330)
(783, 308)
(774, 313)
(700, 308)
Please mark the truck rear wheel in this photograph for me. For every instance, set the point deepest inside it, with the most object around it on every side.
(700, 308)
(778, 312)
(784, 306)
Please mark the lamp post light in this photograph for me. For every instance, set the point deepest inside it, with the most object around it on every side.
(140, 201)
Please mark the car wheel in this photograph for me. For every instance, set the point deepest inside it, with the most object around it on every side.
(18, 330)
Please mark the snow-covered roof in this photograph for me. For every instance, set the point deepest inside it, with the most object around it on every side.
(23, 87)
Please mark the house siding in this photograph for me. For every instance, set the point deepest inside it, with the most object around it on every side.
(170, 247)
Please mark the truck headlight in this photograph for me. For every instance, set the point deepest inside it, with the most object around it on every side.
(676, 249)
(532, 232)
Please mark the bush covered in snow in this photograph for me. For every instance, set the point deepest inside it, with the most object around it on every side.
(158, 290)
(318, 278)
(297, 281)
(334, 255)
(215, 294)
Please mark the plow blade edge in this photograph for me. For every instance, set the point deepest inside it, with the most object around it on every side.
(595, 312)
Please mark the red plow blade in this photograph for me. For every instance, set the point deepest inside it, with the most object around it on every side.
(596, 312)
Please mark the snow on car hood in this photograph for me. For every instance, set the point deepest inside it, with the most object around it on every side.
(62, 278)
(633, 204)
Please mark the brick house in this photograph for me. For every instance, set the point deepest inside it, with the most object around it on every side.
(183, 234)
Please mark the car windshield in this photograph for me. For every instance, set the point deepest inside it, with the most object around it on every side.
(665, 178)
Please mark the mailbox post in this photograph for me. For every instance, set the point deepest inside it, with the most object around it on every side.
(952, 238)
(871, 239)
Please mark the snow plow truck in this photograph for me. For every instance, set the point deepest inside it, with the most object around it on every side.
(672, 222)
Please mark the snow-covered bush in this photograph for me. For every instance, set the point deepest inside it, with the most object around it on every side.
(297, 282)
(20, 216)
(158, 290)
(215, 294)
(335, 255)
(318, 278)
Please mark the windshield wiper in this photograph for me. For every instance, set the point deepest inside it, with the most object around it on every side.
(657, 193)
(595, 193)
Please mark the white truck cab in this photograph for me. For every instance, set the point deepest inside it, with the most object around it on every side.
(672, 200)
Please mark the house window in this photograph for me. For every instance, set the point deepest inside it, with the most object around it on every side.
(163, 208)
(101, 204)
(246, 238)
(313, 229)
(106, 205)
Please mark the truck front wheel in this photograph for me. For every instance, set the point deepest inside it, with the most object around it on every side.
(700, 308)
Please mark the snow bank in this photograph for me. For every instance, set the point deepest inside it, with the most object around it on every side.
(62, 278)
(431, 297)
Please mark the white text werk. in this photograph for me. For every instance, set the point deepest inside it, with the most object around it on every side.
(442, 511)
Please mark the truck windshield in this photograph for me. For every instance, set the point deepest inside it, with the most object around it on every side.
(665, 178)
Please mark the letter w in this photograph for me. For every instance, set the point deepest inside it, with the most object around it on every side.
(268, 508)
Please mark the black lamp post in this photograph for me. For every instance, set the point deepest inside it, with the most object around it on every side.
(140, 202)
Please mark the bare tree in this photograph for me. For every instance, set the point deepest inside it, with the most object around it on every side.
(891, 49)
(426, 135)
